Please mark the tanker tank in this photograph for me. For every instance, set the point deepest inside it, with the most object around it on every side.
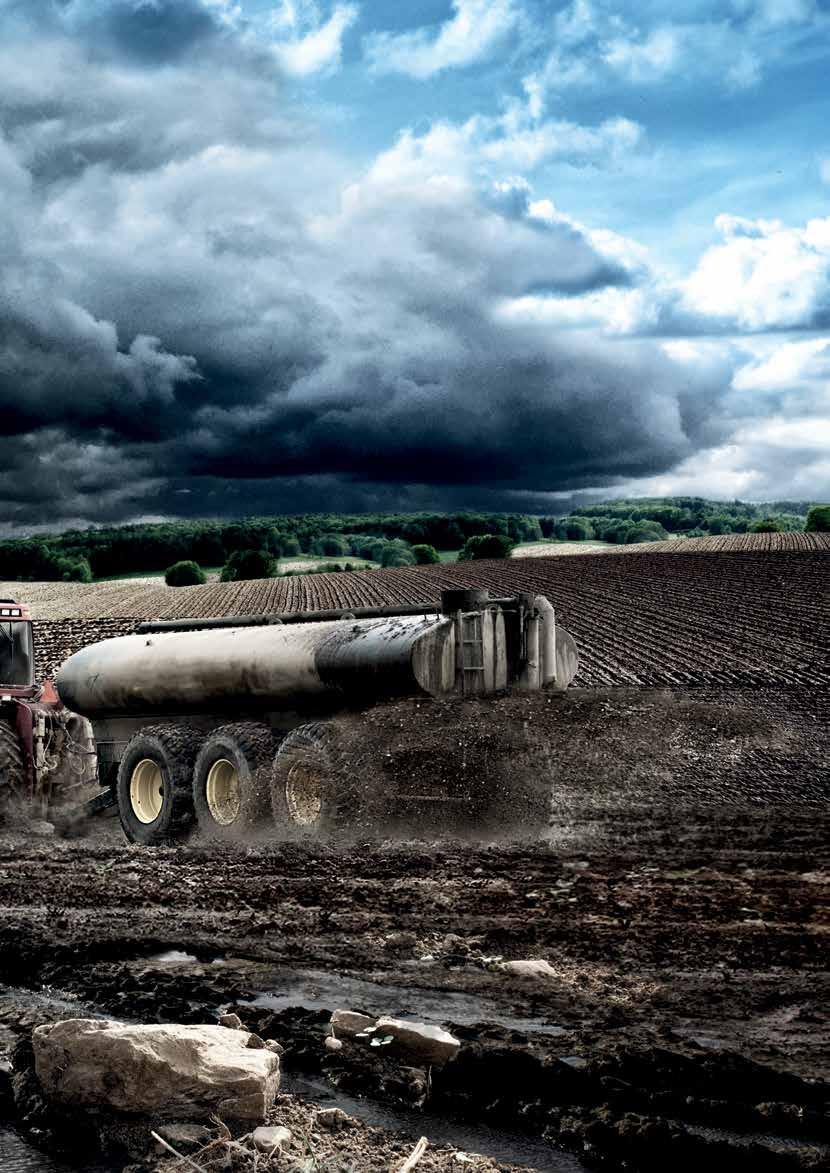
(277, 667)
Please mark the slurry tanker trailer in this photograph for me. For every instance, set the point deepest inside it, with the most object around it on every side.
(230, 723)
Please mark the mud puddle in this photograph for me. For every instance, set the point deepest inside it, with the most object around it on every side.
(18, 1156)
(500, 1145)
(317, 990)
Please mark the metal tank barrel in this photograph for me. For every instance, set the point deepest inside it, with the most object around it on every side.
(475, 645)
(276, 666)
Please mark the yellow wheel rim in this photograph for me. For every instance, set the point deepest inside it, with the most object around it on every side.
(304, 794)
(146, 791)
(223, 792)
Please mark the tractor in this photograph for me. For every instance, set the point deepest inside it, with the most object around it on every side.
(46, 752)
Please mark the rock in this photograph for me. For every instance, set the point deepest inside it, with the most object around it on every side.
(41, 828)
(255, 1043)
(332, 1044)
(431, 1044)
(534, 967)
(231, 1021)
(271, 1140)
(167, 1070)
(349, 1022)
(274, 1046)
(333, 1119)
(576, 1062)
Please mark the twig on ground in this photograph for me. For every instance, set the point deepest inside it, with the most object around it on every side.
(414, 1157)
(176, 1152)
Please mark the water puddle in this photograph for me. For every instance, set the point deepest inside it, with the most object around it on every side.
(710, 1132)
(511, 1147)
(172, 959)
(18, 1156)
(324, 991)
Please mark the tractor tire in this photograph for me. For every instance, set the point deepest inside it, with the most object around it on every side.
(12, 768)
(231, 792)
(154, 788)
(312, 795)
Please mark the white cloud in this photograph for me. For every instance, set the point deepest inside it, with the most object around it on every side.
(593, 46)
(314, 49)
(772, 14)
(763, 275)
(773, 462)
(788, 366)
(473, 32)
(643, 60)
(526, 147)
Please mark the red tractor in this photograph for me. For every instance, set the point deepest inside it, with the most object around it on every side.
(43, 747)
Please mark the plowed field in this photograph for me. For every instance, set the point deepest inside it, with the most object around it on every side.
(710, 619)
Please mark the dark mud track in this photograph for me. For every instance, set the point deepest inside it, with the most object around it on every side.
(680, 900)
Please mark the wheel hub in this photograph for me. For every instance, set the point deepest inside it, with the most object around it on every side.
(304, 794)
(146, 791)
(223, 792)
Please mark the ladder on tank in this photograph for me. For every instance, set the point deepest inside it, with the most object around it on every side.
(471, 646)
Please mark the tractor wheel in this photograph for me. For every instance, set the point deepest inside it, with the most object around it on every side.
(311, 795)
(155, 799)
(230, 780)
(12, 768)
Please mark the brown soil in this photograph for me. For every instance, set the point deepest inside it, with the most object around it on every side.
(679, 893)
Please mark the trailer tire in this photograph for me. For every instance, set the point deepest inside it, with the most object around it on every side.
(154, 790)
(12, 767)
(311, 796)
(231, 791)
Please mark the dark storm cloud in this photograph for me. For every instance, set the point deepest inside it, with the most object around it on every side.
(151, 31)
(196, 297)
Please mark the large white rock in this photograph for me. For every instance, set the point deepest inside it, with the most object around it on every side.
(431, 1044)
(170, 1070)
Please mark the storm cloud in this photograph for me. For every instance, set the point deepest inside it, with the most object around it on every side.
(206, 308)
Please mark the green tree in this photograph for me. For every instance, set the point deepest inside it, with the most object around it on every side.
(185, 573)
(330, 546)
(397, 553)
(425, 555)
(647, 531)
(575, 529)
(246, 564)
(818, 520)
(486, 546)
(767, 525)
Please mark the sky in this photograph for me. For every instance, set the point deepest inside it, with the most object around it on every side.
(262, 257)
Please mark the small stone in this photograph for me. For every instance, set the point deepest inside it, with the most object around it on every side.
(41, 828)
(574, 1061)
(231, 1021)
(274, 1046)
(533, 967)
(349, 1022)
(271, 1139)
(333, 1119)
(332, 1044)
(255, 1042)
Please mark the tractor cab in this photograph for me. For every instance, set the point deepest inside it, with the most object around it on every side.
(17, 656)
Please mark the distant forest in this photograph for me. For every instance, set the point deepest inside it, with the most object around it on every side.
(384, 538)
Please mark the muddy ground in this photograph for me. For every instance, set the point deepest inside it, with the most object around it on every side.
(674, 875)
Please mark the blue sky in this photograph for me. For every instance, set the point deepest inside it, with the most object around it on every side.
(268, 256)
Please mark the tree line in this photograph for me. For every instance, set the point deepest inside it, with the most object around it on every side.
(387, 539)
